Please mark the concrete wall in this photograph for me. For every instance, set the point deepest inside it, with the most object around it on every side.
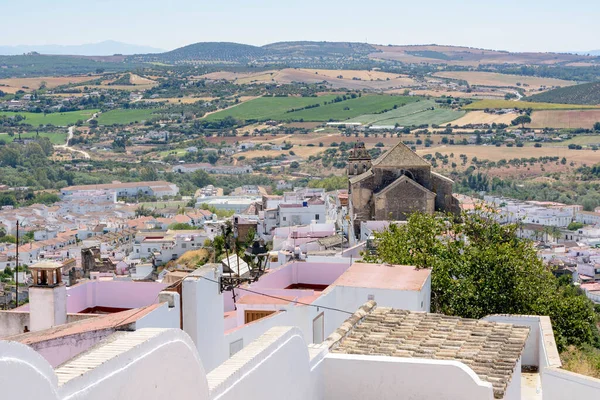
(13, 322)
(558, 384)
(360, 377)
(47, 307)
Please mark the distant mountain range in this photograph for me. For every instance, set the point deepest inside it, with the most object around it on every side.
(106, 48)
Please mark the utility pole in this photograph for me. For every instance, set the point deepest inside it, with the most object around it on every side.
(17, 269)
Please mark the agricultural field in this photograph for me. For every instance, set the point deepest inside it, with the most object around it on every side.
(350, 79)
(57, 119)
(587, 93)
(179, 100)
(55, 137)
(564, 119)
(12, 85)
(481, 117)
(523, 105)
(583, 140)
(494, 153)
(275, 108)
(451, 93)
(126, 116)
(466, 56)
(478, 78)
(417, 113)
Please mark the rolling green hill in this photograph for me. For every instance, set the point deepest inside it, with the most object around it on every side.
(221, 52)
(236, 54)
(587, 93)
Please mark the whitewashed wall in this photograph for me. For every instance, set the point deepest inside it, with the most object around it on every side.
(360, 377)
(558, 384)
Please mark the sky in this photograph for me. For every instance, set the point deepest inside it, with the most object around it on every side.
(514, 25)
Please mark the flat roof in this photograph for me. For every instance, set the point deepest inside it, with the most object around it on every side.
(383, 276)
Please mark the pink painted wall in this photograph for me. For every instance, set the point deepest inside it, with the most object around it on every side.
(301, 272)
(117, 294)
(320, 273)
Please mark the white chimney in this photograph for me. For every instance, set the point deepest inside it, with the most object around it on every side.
(47, 296)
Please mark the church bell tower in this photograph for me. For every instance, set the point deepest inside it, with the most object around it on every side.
(359, 160)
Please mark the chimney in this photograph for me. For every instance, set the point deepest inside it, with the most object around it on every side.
(47, 296)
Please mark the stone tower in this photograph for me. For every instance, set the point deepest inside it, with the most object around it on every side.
(359, 160)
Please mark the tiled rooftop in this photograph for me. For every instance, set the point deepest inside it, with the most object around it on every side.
(490, 349)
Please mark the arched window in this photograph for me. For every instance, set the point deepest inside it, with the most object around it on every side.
(355, 166)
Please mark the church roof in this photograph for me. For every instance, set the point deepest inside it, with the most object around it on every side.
(400, 156)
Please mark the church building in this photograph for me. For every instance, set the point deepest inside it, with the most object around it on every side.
(395, 185)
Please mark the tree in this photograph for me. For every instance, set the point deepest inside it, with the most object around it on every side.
(480, 267)
(521, 120)
(597, 127)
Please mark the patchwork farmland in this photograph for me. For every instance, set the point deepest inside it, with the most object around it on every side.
(281, 108)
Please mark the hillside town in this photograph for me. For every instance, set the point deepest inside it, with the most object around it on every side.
(225, 201)
(278, 281)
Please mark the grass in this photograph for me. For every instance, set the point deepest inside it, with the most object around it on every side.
(417, 113)
(266, 108)
(55, 137)
(585, 361)
(522, 105)
(123, 117)
(58, 119)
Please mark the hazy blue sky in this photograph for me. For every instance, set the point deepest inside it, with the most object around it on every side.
(518, 25)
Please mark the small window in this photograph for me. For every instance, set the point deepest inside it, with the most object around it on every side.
(355, 166)
(317, 217)
(183, 245)
(284, 218)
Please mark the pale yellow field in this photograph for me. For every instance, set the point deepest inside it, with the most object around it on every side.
(480, 117)
(351, 74)
(564, 119)
(132, 88)
(464, 95)
(364, 79)
(496, 79)
(180, 100)
(300, 151)
(15, 84)
(140, 80)
(497, 153)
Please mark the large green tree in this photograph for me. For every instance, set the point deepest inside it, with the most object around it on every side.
(480, 267)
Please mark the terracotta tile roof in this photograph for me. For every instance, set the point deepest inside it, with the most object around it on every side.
(113, 321)
(492, 350)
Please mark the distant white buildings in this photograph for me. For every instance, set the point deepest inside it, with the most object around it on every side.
(531, 212)
(214, 169)
(127, 189)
